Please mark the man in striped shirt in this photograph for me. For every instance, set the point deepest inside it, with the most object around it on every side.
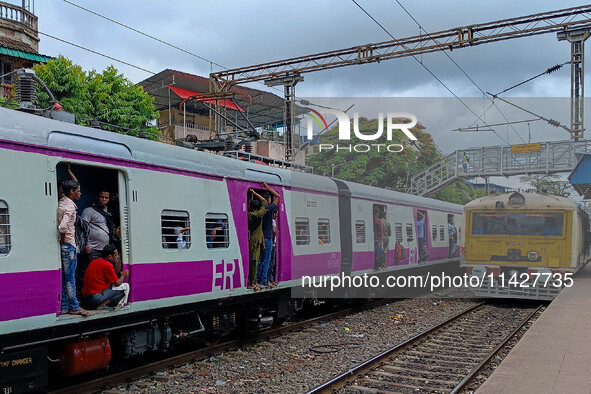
(66, 216)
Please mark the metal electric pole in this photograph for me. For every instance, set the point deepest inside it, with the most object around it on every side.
(289, 82)
(577, 39)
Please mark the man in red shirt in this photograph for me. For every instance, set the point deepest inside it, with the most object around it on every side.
(101, 281)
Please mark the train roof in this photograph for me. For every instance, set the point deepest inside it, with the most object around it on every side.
(376, 193)
(532, 201)
(30, 129)
(36, 130)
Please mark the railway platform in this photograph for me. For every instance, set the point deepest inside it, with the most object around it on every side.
(553, 356)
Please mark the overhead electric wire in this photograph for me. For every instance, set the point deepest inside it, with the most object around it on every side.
(459, 67)
(97, 53)
(426, 68)
(550, 121)
(144, 34)
(211, 62)
(549, 70)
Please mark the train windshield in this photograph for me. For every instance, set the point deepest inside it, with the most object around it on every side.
(547, 224)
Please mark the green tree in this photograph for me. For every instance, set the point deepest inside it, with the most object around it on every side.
(458, 192)
(551, 184)
(378, 168)
(382, 168)
(108, 97)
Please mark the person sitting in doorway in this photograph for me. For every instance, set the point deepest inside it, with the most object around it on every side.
(102, 287)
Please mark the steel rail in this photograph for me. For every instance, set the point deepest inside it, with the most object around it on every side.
(340, 380)
(485, 361)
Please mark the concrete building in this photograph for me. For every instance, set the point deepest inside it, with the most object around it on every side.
(19, 43)
(185, 114)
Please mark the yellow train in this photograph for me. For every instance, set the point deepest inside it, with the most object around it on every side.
(523, 245)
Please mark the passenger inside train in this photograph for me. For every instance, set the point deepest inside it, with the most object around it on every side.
(257, 207)
(90, 232)
(102, 286)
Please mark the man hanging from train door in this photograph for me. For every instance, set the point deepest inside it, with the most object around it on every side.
(453, 235)
(421, 236)
(256, 210)
(267, 249)
(378, 242)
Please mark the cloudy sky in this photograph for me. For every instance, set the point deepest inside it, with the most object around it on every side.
(241, 33)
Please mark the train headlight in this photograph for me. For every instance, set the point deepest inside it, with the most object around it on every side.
(532, 255)
(479, 271)
(516, 200)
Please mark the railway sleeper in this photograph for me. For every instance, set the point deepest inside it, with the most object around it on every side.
(425, 372)
(451, 349)
(395, 376)
(381, 384)
(364, 389)
(455, 363)
(455, 347)
(447, 340)
(430, 367)
(450, 357)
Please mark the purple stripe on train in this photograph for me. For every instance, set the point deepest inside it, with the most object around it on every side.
(162, 280)
(29, 294)
(316, 264)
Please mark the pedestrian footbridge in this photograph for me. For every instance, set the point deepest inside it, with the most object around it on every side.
(534, 158)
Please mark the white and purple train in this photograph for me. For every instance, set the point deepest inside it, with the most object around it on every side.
(325, 227)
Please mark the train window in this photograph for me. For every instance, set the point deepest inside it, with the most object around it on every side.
(216, 231)
(323, 231)
(434, 232)
(176, 230)
(302, 227)
(5, 243)
(360, 231)
(441, 233)
(539, 223)
(409, 236)
(398, 231)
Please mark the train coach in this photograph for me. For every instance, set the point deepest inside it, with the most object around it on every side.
(324, 227)
(524, 245)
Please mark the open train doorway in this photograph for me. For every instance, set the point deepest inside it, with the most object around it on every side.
(101, 209)
(263, 203)
(422, 235)
(382, 232)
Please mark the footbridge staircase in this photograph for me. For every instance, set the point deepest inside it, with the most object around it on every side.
(535, 158)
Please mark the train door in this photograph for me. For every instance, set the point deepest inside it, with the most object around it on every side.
(380, 236)
(106, 218)
(347, 236)
(264, 243)
(123, 220)
(422, 223)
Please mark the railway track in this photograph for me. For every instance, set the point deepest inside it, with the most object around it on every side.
(128, 375)
(442, 359)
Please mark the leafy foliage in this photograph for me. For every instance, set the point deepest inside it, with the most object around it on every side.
(108, 97)
(551, 184)
(382, 168)
(458, 193)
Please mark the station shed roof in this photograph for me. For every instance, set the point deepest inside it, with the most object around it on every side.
(170, 89)
(580, 177)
